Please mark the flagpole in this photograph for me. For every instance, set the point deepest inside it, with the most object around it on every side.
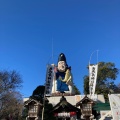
(52, 51)
(97, 56)
(90, 70)
(92, 54)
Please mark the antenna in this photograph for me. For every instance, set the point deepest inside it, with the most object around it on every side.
(52, 49)
(52, 53)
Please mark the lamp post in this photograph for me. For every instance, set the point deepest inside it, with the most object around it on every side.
(87, 111)
(86, 105)
(34, 108)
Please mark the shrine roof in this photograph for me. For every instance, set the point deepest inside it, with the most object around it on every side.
(65, 106)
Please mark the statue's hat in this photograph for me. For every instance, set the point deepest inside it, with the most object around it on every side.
(62, 57)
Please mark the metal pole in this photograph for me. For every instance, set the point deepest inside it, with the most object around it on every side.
(43, 109)
(44, 99)
(92, 54)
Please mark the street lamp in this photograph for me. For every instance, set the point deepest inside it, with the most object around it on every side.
(34, 108)
(86, 105)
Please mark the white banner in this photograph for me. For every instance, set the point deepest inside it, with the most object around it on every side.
(114, 100)
(49, 79)
(92, 78)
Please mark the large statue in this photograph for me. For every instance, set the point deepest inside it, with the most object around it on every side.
(63, 74)
(63, 77)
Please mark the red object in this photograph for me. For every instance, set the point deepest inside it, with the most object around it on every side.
(72, 113)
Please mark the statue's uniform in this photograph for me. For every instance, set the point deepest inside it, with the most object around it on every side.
(61, 86)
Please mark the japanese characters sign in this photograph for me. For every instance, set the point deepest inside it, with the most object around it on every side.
(92, 78)
(49, 79)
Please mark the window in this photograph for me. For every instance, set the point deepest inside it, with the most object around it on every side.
(86, 107)
(33, 108)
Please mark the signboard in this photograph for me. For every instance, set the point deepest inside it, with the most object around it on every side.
(49, 79)
(77, 98)
(92, 78)
(115, 105)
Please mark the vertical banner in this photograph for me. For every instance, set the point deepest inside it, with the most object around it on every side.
(49, 79)
(114, 100)
(92, 78)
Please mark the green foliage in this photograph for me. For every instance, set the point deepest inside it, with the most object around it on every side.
(76, 90)
(107, 73)
(118, 88)
(86, 85)
(38, 93)
(47, 114)
(24, 114)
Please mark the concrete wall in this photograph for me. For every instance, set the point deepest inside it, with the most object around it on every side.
(74, 99)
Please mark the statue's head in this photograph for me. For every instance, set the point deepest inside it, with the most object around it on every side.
(62, 64)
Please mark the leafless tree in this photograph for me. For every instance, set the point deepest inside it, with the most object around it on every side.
(10, 97)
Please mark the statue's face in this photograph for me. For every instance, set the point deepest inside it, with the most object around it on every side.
(61, 66)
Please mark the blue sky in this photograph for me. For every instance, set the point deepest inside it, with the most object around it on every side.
(75, 27)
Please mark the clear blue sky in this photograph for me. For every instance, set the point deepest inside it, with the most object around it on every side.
(76, 27)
